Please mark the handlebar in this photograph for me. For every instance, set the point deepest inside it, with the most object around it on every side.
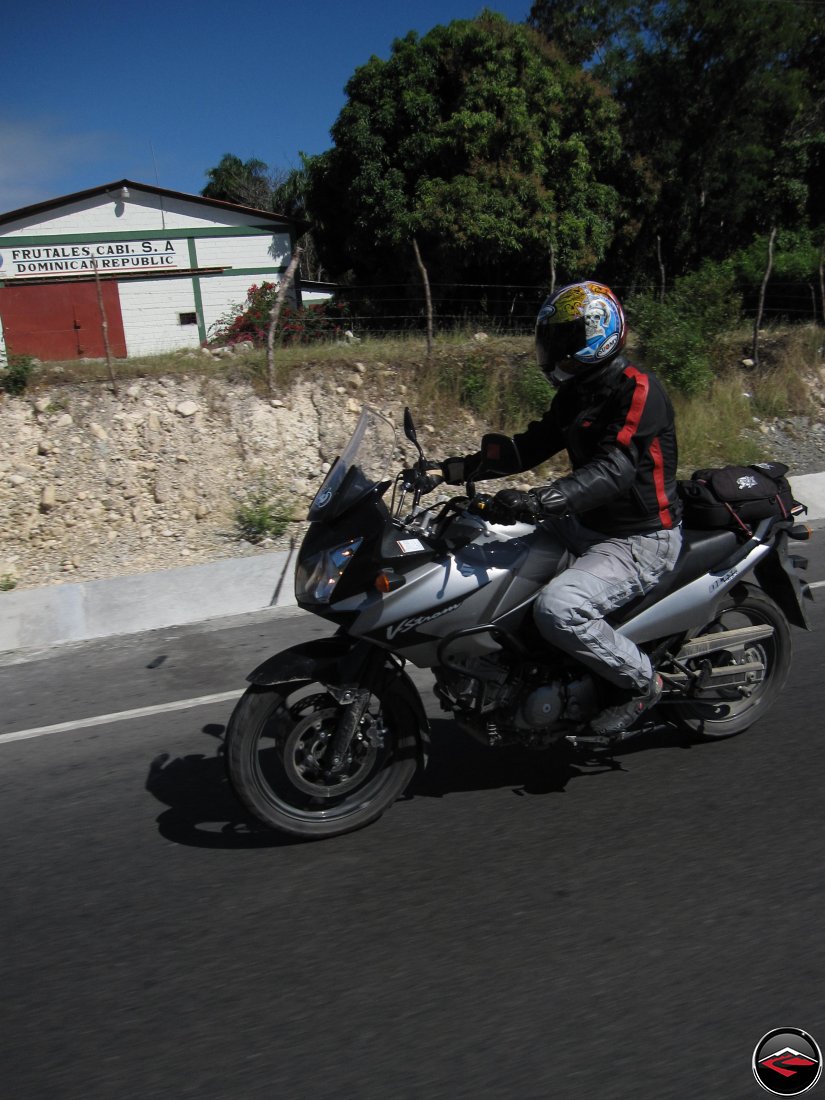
(414, 479)
(418, 481)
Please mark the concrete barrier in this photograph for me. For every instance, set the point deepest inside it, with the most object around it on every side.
(810, 490)
(36, 618)
(58, 613)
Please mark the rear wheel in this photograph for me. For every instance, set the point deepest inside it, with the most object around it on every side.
(278, 748)
(725, 711)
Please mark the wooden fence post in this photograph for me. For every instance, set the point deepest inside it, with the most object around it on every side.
(274, 314)
(104, 325)
(427, 297)
(761, 307)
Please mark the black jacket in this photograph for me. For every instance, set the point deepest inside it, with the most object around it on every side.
(619, 434)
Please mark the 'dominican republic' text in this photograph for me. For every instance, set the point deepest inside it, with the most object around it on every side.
(74, 258)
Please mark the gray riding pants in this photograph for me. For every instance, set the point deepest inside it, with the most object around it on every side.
(604, 574)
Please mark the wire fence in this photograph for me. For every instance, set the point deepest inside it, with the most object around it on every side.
(388, 309)
(398, 309)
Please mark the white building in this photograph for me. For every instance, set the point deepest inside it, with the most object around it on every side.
(158, 266)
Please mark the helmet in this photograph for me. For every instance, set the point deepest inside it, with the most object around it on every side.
(582, 326)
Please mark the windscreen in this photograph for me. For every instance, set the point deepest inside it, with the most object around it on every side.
(362, 464)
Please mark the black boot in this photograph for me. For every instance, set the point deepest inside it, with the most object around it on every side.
(614, 720)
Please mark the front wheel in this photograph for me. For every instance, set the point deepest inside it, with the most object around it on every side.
(725, 711)
(277, 754)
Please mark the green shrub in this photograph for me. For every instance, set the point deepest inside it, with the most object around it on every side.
(676, 335)
(506, 391)
(262, 515)
(475, 384)
(533, 392)
(465, 382)
(14, 377)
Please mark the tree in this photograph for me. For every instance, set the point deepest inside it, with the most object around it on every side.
(721, 116)
(248, 183)
(603, 34)
(480, 142)
(289, 199)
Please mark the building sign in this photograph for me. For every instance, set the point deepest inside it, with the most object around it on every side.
(108, 257)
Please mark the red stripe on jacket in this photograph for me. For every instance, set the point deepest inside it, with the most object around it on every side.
(634, 415)
(659, 482)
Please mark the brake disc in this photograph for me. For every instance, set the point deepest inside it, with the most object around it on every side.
(306, 745)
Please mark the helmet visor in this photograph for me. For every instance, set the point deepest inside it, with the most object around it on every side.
(555, 342)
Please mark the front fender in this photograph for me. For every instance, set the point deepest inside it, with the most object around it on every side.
(313, 660)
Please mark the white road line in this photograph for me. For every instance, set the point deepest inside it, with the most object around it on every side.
(120, 716)
(144, 712)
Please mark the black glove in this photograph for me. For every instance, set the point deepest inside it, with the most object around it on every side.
(549, 500)
(510, 506)
(417, 479)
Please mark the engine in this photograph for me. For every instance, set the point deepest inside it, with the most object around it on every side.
(502, 701)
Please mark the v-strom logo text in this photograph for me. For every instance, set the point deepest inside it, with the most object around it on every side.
(418, 620)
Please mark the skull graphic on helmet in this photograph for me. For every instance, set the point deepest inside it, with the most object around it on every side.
(580, 326)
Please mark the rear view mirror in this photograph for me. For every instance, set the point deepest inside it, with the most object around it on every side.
(409, 426)
(412, 435)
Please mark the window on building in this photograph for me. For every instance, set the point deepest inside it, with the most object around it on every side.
(188, 318)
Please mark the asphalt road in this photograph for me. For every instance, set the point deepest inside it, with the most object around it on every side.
(511, 930)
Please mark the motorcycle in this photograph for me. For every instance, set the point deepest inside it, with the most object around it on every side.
(331, 732)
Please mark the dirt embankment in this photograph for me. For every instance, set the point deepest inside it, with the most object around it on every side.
(94, 484)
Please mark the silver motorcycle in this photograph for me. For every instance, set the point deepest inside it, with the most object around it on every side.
(331, 732)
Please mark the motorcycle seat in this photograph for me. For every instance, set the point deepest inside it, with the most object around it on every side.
(701, 552)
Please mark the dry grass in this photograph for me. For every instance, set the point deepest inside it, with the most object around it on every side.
(711, 430)
(496, 381)
(788, 358)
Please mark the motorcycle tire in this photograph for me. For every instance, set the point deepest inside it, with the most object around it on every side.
(277, 738)
(729, 711)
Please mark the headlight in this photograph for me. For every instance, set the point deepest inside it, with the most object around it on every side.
(315, 579)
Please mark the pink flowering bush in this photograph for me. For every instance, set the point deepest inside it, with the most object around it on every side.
(310, 324)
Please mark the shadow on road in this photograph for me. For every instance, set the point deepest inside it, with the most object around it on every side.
(204, 812)
(459, 763)
(203, 809)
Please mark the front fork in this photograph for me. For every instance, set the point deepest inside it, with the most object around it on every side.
(360, 668)
(355, 704)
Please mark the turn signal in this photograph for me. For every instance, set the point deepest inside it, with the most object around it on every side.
(388, 582)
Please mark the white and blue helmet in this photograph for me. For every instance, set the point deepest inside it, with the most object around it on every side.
(579, 327)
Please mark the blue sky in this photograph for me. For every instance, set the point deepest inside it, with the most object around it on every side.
(159, 91)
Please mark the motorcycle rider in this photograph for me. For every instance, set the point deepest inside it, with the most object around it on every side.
(618, 509)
